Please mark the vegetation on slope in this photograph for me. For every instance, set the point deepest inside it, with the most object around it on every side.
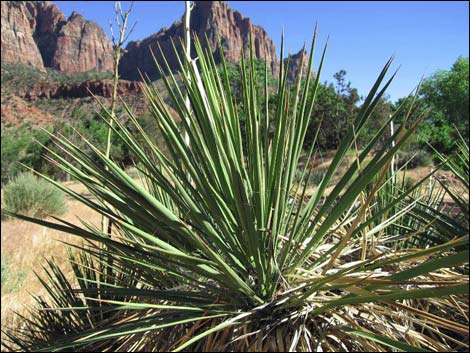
(221, 250)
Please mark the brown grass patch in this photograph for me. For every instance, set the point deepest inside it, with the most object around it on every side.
(25, 245)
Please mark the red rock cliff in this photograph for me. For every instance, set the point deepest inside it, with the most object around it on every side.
(18, 26)
(208, 18)
(38, 34)
(82, 46)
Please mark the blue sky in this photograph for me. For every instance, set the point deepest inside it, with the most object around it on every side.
(424, 36)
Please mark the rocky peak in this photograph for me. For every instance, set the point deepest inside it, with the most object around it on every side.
(208, 18)
(48, 17)
(81, 46)
(75, 15)
(205, 11)
(294, 65)
(49, 20)
(37, 33)
(18, 25)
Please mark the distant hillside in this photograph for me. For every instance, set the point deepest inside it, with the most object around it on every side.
(38, 34)
(208, 18)
(51, 65)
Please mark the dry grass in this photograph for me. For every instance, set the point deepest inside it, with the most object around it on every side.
(414, 175)
(25, 245)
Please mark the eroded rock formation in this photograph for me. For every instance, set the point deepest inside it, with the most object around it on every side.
(103, 88)
(18, 26)
(209, 18)
(38, 34)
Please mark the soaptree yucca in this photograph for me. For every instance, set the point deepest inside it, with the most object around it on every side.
(217, 248)
(438, 207)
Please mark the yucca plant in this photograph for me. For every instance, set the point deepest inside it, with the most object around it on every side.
(219, 249)
(433, 219)
(459, 185)
(415, 215)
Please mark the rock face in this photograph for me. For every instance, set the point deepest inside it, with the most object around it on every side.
(103, 88)
(208, 18)
(82, 46)
(294, 65)
(49, 19)
(17, 44)
(38, 34)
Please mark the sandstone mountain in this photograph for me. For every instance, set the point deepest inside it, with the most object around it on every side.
(294, 65)
(82, 46)
(17, 42)
(208, 18)
(38, 34)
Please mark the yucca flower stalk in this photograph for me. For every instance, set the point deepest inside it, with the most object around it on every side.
(236, 257)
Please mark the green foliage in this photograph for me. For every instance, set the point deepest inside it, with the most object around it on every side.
(91, 127)
(16, 76)
(379, 117)
(27, 194)
(26, 145)
(446, 93)
(443, 102)
(414, 157)
(234, 74)
(12, 281)
(21, 145)
(334, 112)
(217, 248)
(444, 99)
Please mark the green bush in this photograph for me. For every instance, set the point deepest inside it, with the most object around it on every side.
(4, 270)
(30, 195)
(21, 145)
(414, 159)
(11, 281)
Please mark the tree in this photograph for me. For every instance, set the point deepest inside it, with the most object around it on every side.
(379, 116)
(446, 95)
(335, 108)
(118, 43)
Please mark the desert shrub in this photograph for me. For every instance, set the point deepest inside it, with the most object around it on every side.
(414, 159)
(212, 254)
(20, 146)
(12, 281)
(28, 194)
(407, 183)
(4, 269)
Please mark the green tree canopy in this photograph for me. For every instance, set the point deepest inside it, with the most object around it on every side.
(446, 96)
